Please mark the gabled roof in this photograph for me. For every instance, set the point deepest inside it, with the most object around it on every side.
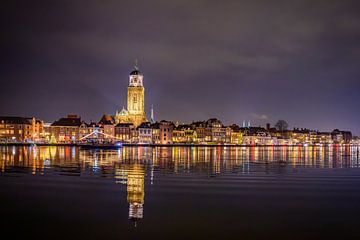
(167, 123)
(252, 130)
(106, 120)
(123, 112)
(14, 120)
(337, 131)
(155, 125)
(144, 125)
(301, 130)
(84, 123)
(93, 124)
(69, 121)
(323, 133)
(198, 124)
(124, 125)
(183, 127)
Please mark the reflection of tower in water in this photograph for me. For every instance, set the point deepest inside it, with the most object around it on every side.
(135, 192)
(133, 175)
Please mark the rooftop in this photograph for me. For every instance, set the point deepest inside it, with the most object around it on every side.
(68, 121)
(14, 120)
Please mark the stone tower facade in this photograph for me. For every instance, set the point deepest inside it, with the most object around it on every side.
(135, 112)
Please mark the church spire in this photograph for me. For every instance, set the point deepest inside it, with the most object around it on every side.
(136, 64)
(152, 120)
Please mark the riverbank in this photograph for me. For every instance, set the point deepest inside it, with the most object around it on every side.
(109, 146)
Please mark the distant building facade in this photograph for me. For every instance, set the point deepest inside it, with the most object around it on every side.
(21, 129)
(125, 132)
(166, 132)
(72, 129)
(65, 129)
(144, 132)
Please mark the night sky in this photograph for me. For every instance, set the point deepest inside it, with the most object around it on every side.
(234, 60)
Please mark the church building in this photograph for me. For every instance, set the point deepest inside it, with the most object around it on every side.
(135, 112)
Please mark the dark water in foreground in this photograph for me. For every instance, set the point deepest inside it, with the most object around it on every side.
(180, 193)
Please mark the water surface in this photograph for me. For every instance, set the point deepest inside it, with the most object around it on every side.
(180, 193)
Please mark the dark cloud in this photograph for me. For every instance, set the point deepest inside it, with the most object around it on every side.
(295, 60)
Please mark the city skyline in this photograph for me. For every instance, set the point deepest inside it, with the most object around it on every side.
(243, 123)
(249, 67)
(181, 119)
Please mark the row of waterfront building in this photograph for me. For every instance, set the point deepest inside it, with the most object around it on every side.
(72, 129)
(130, 125)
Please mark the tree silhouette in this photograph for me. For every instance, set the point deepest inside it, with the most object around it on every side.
(281, 125)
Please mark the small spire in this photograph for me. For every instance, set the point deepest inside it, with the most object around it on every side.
(152, 120)
(136, 64)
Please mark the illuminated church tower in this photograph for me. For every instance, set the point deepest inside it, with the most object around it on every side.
(135, 112)
(135, 98)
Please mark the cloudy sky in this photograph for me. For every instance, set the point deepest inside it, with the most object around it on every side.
(235, 60)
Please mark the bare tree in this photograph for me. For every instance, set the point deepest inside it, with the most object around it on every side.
(281, 125)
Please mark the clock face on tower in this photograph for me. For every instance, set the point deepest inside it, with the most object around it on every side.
(136, 81)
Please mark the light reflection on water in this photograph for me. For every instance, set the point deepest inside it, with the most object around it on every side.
(219, 171)
(211, 160)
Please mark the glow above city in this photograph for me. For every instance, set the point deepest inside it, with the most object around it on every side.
(181, 119)
(243, 60)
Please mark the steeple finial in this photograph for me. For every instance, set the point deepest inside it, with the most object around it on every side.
(136, 64)
(152, 120)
